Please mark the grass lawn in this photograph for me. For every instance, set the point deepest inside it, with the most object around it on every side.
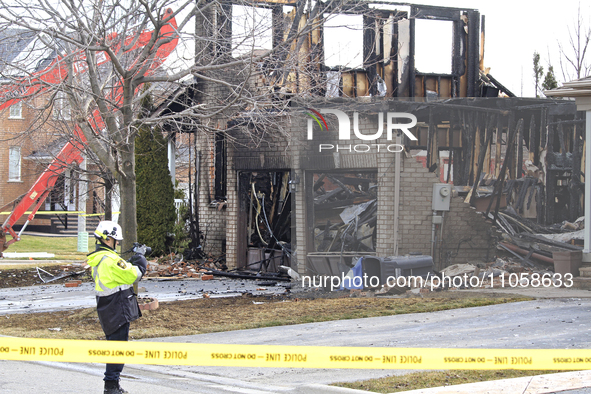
(423, 380)
(64, 248)
(199, 316)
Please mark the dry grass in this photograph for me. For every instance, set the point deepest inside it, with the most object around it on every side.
(422, 380)
(227, 314)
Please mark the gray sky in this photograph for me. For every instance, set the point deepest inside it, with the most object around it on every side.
(515, 29)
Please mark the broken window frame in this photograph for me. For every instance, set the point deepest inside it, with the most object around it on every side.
(312, 184)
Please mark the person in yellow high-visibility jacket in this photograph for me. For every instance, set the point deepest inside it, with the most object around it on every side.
(115, 299)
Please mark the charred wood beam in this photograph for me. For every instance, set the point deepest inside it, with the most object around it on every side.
(449, 165)
(431, 141)
(285, 214)
(543, 132)
(501, 180)
(351, 8)
(473, 55)
(534, 238)
(341, 185)
(370, 57)
(317, 52)
(446, 105)
(392, 68)
(498, 144)
(318, 184)
(554, 108)
(524, 259)
(467, 145)
(458, 66)
(500, 86)
(477, 146)
(357, 181)
(551, 137)
(575, 184)
(540, 203)
(293, 31)
(565, 122)
(533, 138)
(344, 203)
(562, 141)
(411, 51)
(488, 139)
(550, 196)
(277, 26)
(319, 200)
(519, 162)
(435, 12)
(248, 276)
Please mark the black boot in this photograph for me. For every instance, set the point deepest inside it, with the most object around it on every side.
(112, 387)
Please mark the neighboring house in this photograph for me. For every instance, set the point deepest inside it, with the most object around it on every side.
(325, 201)
(29, 144)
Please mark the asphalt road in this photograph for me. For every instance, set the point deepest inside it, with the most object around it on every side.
(543, 323)
(49, 298)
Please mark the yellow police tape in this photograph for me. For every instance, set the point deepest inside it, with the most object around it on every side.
(24, 349)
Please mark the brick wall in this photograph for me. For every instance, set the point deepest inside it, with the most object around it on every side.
(30, 138)
(466, 236)
(13, 133)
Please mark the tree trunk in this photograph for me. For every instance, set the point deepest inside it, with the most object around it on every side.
(108, 197)
(127, 186)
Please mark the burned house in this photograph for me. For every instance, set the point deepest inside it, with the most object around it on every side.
(330, 163)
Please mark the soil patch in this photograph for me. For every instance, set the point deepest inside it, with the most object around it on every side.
(29, 277)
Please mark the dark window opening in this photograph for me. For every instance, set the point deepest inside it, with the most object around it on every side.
(220, 176)
(345, 212)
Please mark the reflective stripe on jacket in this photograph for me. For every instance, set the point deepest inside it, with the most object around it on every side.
(111, 273)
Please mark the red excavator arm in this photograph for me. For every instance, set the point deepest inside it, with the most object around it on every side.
(72, 151)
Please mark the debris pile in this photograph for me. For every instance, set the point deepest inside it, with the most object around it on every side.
(534, 244)
(500, 273)
(345, 212)
(174, 267)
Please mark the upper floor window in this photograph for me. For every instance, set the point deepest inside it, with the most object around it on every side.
(61, 107)
(14, 163)
(16, 111)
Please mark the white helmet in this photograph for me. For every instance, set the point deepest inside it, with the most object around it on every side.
(107, 228)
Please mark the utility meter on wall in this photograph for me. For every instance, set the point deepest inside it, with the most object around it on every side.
(441, 197)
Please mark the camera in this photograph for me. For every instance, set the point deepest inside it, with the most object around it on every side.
(141, 249)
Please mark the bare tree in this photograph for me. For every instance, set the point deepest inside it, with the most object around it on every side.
(95, 55)
(573, 60)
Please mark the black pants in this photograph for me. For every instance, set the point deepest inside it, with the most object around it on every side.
(114, 370)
